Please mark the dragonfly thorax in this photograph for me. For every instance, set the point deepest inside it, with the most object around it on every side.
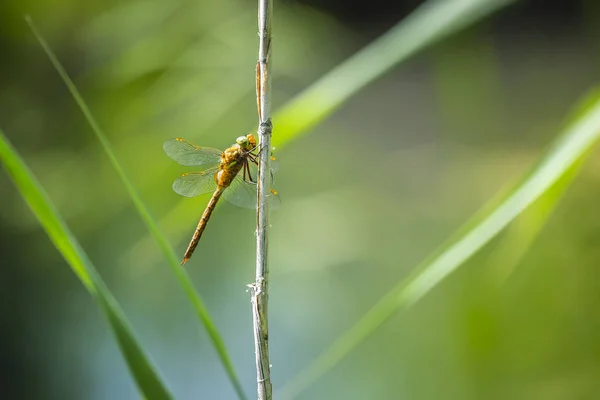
(232, 161)
(229, 169)
(232, 154)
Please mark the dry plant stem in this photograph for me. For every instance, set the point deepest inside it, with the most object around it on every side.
(260, 288)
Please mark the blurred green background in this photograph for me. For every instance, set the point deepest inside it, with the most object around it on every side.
(367, 195)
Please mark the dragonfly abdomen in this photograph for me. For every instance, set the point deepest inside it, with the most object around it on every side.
(202, 224)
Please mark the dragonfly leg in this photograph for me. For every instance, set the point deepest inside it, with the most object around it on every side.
(255, 161)
(259, 151)
(247, 168)
(252, 158)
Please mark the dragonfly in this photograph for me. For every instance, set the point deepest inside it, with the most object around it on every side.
(221, 176)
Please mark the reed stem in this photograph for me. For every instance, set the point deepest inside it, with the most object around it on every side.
(260, 288)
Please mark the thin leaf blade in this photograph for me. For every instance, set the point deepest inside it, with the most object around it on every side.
(150, 222)
(144, 372)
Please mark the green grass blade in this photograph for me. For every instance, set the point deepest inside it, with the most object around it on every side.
(140, 366)
(521, 235)
(153, 227)
(564, 155)
(430, 23)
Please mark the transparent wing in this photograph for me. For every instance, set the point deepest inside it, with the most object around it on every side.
(274, 200)
(196, 183)
(243, 194)
(188, 154)
(274, 163)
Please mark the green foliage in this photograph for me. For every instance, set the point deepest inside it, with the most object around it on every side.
(146, 377)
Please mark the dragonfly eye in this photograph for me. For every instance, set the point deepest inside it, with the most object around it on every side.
(242, 141)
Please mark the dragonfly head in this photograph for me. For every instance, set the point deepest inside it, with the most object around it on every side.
(246, 142)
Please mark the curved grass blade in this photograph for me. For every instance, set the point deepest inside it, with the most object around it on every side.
(521, 235)
(428, 24)
(142, 369)
(152, 225)
(562, 159)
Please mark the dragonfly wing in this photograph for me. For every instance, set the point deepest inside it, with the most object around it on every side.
(243, 194)
(188, 154)
(274, 200)
(196, 183)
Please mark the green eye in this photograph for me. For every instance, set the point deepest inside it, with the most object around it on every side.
(242, 141)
